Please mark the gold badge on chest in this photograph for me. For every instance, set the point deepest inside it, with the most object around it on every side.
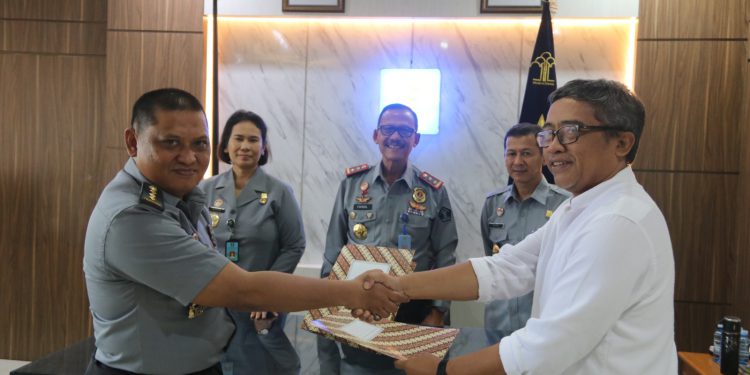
(214, 220)
(360, 231)
(363, 189)
(418, 198)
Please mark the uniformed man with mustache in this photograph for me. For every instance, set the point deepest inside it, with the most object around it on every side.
(374, 205)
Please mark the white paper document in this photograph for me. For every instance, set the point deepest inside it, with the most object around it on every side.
(361, 330)
(359, 267)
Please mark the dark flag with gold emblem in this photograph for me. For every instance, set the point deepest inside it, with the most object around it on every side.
(542, 79)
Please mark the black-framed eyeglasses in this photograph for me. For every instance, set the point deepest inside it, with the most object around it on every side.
(403, 131)
(569, 133)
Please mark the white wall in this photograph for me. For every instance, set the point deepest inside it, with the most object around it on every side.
(426, 8)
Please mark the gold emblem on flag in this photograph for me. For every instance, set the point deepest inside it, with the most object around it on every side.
(545, 62)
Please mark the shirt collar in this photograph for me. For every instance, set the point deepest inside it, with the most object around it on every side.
(409, 175)
(540, 194)
(196, 197)
(625, 176)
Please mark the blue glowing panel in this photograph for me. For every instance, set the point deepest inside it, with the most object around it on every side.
(417, 88)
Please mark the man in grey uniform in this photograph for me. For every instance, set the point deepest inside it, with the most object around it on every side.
(373, 206)
(512, 213)
(152, 272)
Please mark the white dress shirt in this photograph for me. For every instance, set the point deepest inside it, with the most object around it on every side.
(602, 271)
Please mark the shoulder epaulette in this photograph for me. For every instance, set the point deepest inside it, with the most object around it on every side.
(152, 196)
(351, 171)
(431, 180)
(499, 191)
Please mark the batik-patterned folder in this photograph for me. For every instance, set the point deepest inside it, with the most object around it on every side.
(397, 340)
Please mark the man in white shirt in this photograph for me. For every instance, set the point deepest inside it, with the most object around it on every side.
(601, 269)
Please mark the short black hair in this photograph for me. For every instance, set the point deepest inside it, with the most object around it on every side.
(400, 107)
(614, 104)
(167, 99)
(521, 130)
(234, 119)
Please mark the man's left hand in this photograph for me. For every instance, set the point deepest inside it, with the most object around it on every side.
(422, 364)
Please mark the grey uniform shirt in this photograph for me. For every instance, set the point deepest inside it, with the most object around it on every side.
(268, 228)
(433, 232)
(144, 265)
(506, 220)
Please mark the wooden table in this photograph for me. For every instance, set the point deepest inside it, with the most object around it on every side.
(697, 364)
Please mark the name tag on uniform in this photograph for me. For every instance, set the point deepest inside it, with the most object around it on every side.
(496, 225)
(363, 207)
(232, 250)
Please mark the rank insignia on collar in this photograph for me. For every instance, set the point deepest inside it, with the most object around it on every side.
(263, 198)
(152, 196)
(548, 214)
(195, 311)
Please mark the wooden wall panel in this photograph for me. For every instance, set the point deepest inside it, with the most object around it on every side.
(54, 37)
(691, 73)
(742, 296)
(689, 19)
(139, 62)
(695, 324)
(699, 210)
(692, 96)
(165, 15)
(71, 10)
(17, 239)
(52, 106)
(52, 69)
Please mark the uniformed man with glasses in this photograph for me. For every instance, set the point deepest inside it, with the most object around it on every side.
(374, 205)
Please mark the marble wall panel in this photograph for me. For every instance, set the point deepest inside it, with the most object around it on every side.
(480, 71)
(263, 70)
(320, 94)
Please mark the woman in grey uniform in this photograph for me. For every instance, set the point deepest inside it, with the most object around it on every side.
(258, 225)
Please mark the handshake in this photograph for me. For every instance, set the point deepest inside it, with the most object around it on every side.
(377, 297)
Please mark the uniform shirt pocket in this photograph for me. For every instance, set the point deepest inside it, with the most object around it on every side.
(498, 232)
(361, 225)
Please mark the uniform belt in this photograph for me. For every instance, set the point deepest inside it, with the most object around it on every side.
(97, 368)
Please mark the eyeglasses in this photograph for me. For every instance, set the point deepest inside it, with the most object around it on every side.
(569, 133)
(403, 131)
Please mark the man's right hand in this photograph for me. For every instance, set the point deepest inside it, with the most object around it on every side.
(374, 280)
(374, 298)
